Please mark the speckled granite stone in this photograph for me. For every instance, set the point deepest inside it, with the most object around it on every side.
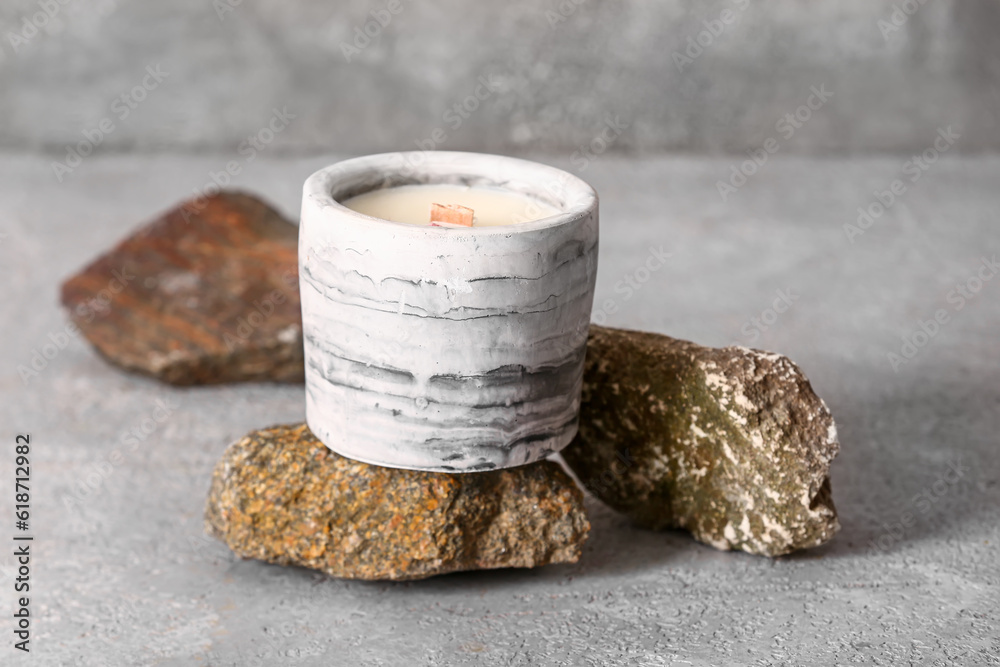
(206, 293)
(731, 444)
(281, 496)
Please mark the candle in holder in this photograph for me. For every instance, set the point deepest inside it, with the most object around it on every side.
(433, 344)
(415, 204)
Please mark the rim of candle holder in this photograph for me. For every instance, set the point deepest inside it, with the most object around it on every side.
(336, 183)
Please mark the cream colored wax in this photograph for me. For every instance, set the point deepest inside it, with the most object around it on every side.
(412, 204)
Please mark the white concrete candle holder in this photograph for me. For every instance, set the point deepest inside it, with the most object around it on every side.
(443, 349)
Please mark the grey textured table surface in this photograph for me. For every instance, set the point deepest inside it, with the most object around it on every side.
(122, 574)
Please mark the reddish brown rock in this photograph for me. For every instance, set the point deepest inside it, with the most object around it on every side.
(279, 495)
(206, 293)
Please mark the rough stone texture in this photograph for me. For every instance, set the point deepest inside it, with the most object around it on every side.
(128, 577)
(279, 495)
(729, 443)
(557, 73)
(206, 293)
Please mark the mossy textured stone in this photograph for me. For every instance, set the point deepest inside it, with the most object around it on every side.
(279, 495)
(731, 444)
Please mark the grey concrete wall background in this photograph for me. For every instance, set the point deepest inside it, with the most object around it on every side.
(559, 70)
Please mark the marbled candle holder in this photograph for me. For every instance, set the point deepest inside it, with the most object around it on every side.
(439, 349)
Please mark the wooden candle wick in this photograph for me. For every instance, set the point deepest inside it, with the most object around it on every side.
(451, 214)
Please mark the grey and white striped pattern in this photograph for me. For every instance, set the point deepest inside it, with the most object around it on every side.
(437, 349)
